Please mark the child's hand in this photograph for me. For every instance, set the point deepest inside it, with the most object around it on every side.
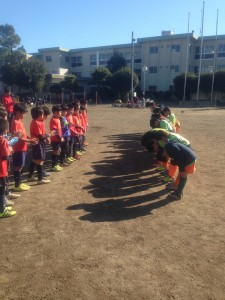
(33, 141)
(53, 132)
(62, 139)
(48, 140)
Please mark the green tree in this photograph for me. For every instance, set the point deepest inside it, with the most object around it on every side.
(31, 75)
(219, 82)
(9, 40)
(69, 83)
(120, 82)
(101, 77)
(116, 62)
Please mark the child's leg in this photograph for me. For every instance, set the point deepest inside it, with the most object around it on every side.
(70, 147)
(18, 163)
(2, 198)
(63, 152)
(31, 169)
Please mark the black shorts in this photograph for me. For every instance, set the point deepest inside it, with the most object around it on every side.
(19, 159)
(56, 146)
(39, 151)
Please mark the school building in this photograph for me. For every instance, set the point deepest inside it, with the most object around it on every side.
(157, 60)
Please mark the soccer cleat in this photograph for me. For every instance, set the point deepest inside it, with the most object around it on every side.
(43, 181)
(71, 158)
(68, 160)
(21, 188)
(25, 185)
(31, 179)
(55, 169)
(9, 202)
(58, 166)
(167, 179)
(12, 196)
(79, 153)
(7, 213)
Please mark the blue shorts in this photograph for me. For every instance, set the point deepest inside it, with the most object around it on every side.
(39, 151)
(19, 159)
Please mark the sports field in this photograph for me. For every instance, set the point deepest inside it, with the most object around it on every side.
(103, 228)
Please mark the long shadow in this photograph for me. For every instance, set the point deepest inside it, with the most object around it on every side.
(124, 174)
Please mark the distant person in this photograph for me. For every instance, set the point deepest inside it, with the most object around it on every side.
(8, 103)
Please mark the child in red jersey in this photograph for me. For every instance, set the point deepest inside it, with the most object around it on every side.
(38, 132)
(56, 138)
(79, 131)
(69, 117)
(4, 154)
(8, 103)
(20, 148)
(83, 119)
(83, 106)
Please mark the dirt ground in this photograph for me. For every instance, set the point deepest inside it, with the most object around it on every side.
(103, 228)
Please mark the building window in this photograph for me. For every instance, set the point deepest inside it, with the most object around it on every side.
(76, 61)
(220, 67)
(153, 69)
(174, 68)
(77, 74)
(207, 52)
(153, 49)
(137, 60)
(152, 88)
(103, 58)
(48, 58)
(196, 68)
(67, 59)
(93, 59)
(175, 48)
(221, 50)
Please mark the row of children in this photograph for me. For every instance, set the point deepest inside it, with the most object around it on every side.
(172, 151)
(68, 126)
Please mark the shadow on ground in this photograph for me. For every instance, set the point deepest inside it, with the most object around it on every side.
(125, 181)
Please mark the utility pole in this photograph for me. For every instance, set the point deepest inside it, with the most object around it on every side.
(132, 67)
(200, 59)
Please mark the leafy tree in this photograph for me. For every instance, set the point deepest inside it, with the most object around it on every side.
(31, 75)
(116, 62)
(9, 40)
(206, 83)
(69, 83)
(56, 88)
(191, 85)
(219, 81)
(120, 82)
(101, 76)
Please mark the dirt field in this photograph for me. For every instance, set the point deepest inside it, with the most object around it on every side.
(103, 228)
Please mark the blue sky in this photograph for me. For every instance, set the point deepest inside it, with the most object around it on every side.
(87, 23)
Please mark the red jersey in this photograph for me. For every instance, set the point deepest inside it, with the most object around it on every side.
(37, 128)
(72, 128)
(83, 121)
(77, 122)
(4, 152)
(7, 100)
(56, 125)
(17, 126)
